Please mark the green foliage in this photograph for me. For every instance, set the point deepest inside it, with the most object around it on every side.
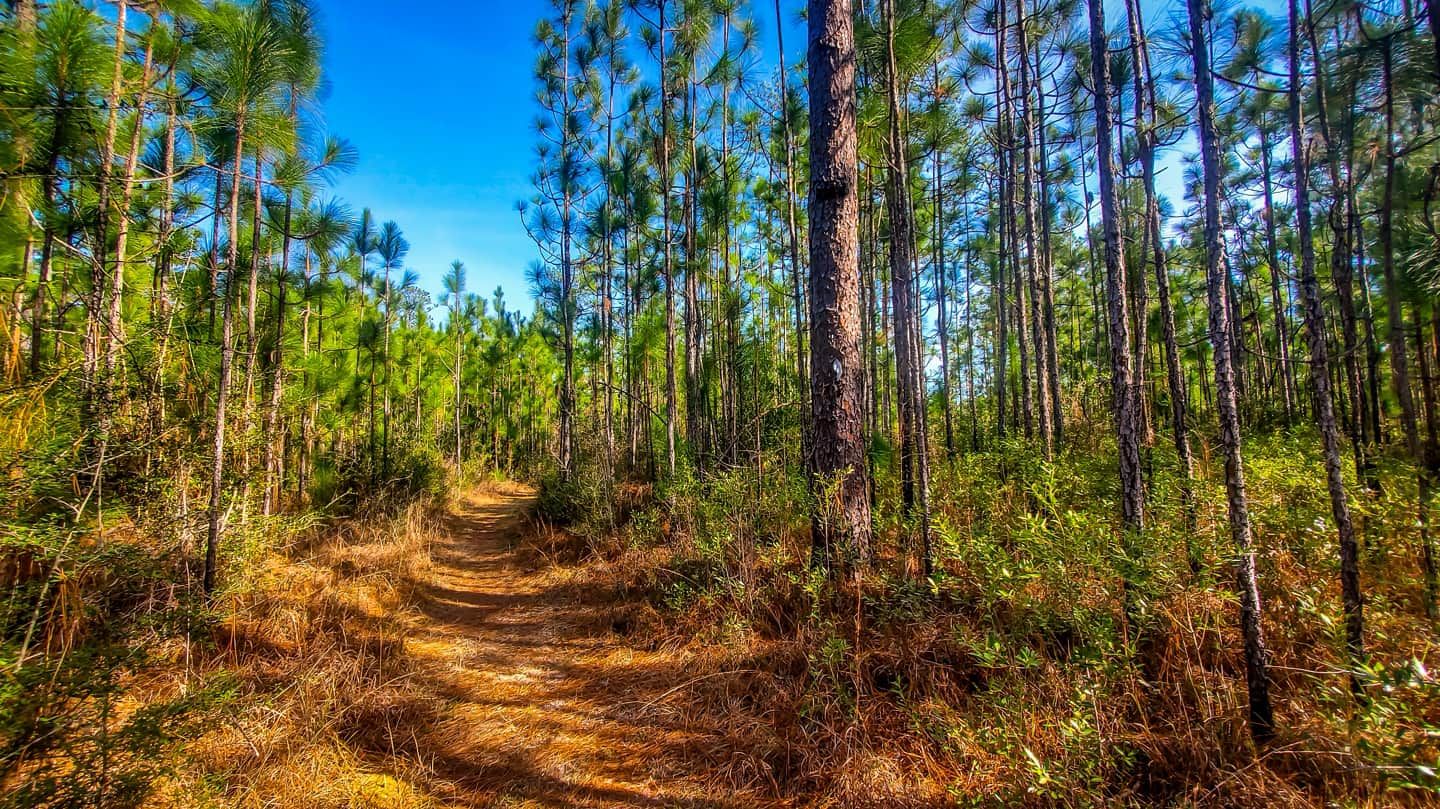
(82, 622)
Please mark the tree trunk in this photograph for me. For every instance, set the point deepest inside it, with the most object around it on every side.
(1127, 421)
(1399, 363)
(222, 388)
(1145, 120)
(1320, 364)
(1032, 258)
(1261, 716)
(840, 517)
(914, 446)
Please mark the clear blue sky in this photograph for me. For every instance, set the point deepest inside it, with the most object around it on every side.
(437, 98)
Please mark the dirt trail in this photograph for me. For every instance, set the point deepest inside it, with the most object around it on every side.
(543, 699)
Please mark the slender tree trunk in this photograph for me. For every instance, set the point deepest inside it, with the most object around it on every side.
(1320, 363)
(671, 407)
(1261, 716)
(1032, 257)
(1399, 364)
(222, 387)
(914, 447)
(1277, 300)
(273, 440)
(1127, 421)
(1145, 119)
(792, 233)
(115, 325)
(1047, 269)
(942, 317)
(49, 190)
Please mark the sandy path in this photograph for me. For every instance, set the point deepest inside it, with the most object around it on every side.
(544, 701)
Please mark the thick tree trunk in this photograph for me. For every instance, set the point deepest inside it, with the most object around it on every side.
(840, 506)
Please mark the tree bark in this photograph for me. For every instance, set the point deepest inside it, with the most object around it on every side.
(1261, 715)
(1127, 421)
(840, 508)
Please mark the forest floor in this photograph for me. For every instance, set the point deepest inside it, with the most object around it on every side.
(544, 699)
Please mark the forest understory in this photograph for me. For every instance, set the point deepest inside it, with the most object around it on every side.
(679, 650)
(1015, 675)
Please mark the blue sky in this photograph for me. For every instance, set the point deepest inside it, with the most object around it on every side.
(437, 99)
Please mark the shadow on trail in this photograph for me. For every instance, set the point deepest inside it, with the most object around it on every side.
(543, 706)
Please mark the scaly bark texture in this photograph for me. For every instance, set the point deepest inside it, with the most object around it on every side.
(841, 508)
(1257, 679)
(1314, 314)
(1127, 415)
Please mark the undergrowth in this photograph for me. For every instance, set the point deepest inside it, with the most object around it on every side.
(1011, 677)
(123, 687)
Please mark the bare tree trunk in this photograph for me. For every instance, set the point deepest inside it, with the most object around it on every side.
(1277, 300)
(1145, 120)
(1261, 716)
(1399, 364)
(840, 508)
(942, 317)
(1127, 421)
(1320, 364)
(670, 393)
(273, 452)
(792, 233)
(914, 446)
(1047, 269)
(227, 358)
(114, 318)
(49, 190)
(1032, 258)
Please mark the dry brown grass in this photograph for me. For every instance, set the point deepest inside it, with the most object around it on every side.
(316, 641)
(909, 714)
(419, 663)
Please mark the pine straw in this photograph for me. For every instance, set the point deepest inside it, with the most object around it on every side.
(908, 715)
(326, 686)
(415, 666)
